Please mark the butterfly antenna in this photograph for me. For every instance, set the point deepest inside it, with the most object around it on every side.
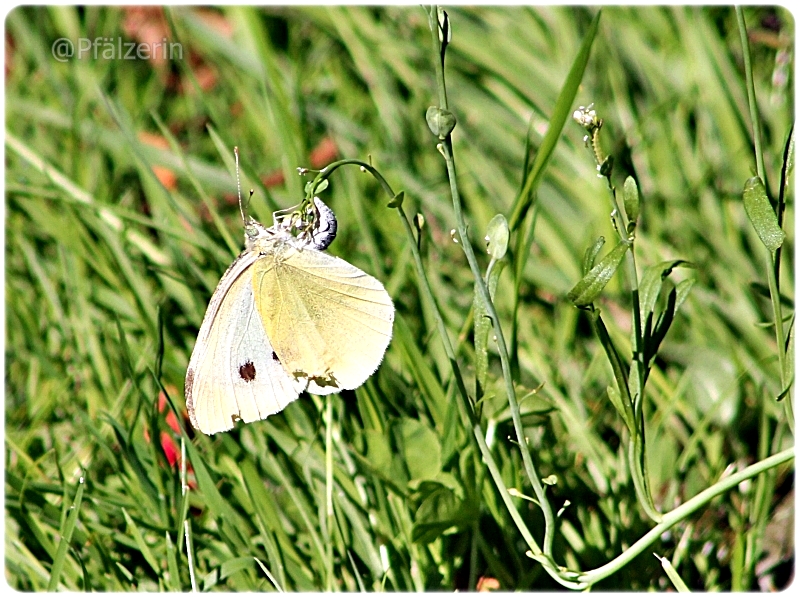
(239, 185)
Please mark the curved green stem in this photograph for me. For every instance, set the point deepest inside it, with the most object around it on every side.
(326, 172)
(682, 512)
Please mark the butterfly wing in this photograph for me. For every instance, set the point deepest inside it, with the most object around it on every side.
(233, 372)
(329, 322)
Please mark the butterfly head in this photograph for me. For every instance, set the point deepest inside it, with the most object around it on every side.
(312, 223)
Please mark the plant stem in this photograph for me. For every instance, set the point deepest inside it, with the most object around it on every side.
(780, 338)
(682, 512)
(329, 493)
(637, 448)
(446, 148)
(772, 259)
(751, 95)
(465, 407)
(464, 404)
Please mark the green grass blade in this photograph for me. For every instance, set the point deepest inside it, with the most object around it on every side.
(66, 536)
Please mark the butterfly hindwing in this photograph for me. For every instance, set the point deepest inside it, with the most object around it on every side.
(329, 322)
(234, 372)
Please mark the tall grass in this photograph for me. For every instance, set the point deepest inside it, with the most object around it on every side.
(121, 216)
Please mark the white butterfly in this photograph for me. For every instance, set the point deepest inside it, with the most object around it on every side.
(285, 318)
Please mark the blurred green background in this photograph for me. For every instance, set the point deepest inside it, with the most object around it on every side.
(121, 216)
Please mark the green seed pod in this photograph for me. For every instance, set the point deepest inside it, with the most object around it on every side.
(441, 122)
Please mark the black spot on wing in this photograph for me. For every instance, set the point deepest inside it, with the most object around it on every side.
(247, 371)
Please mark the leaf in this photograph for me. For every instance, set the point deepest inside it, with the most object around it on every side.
(683, 287)
(561, 111)
(591, 285)
(651, 343)
(497, 237)
(379, 452)
(677, 581)
(788, 362)
(652, 279)
(310, 190)
(630, 194)
(235, 565)
(616, 400)
(438, 502)
(440, 510)
(591, 254)
(789, 156)
(173, 577)
(144, 549)
(611, 352)
(763, 290)
(761, 214)
(421, 450)
(397, 200)
(66, 536)
(482, 326)
(321, 186)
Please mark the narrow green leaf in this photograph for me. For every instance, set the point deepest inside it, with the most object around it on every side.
(173, 579)
(210, 580)
(611, 352)
(665, 319)
(616, 400)
(266, 571)
(141, 543)
(591, 285)
(788, 363)
(362, 541)
(483, 326)
(35, 531)
(190, 553)
(652, 279)
(235, 565)
(561, 111)
(420, 367)
(677, 581)
(379, 452)
(591, 254)
(66, 536)
(266, 519)
(126, 573)
(218, 505)
(682, 289)
(761, 214)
